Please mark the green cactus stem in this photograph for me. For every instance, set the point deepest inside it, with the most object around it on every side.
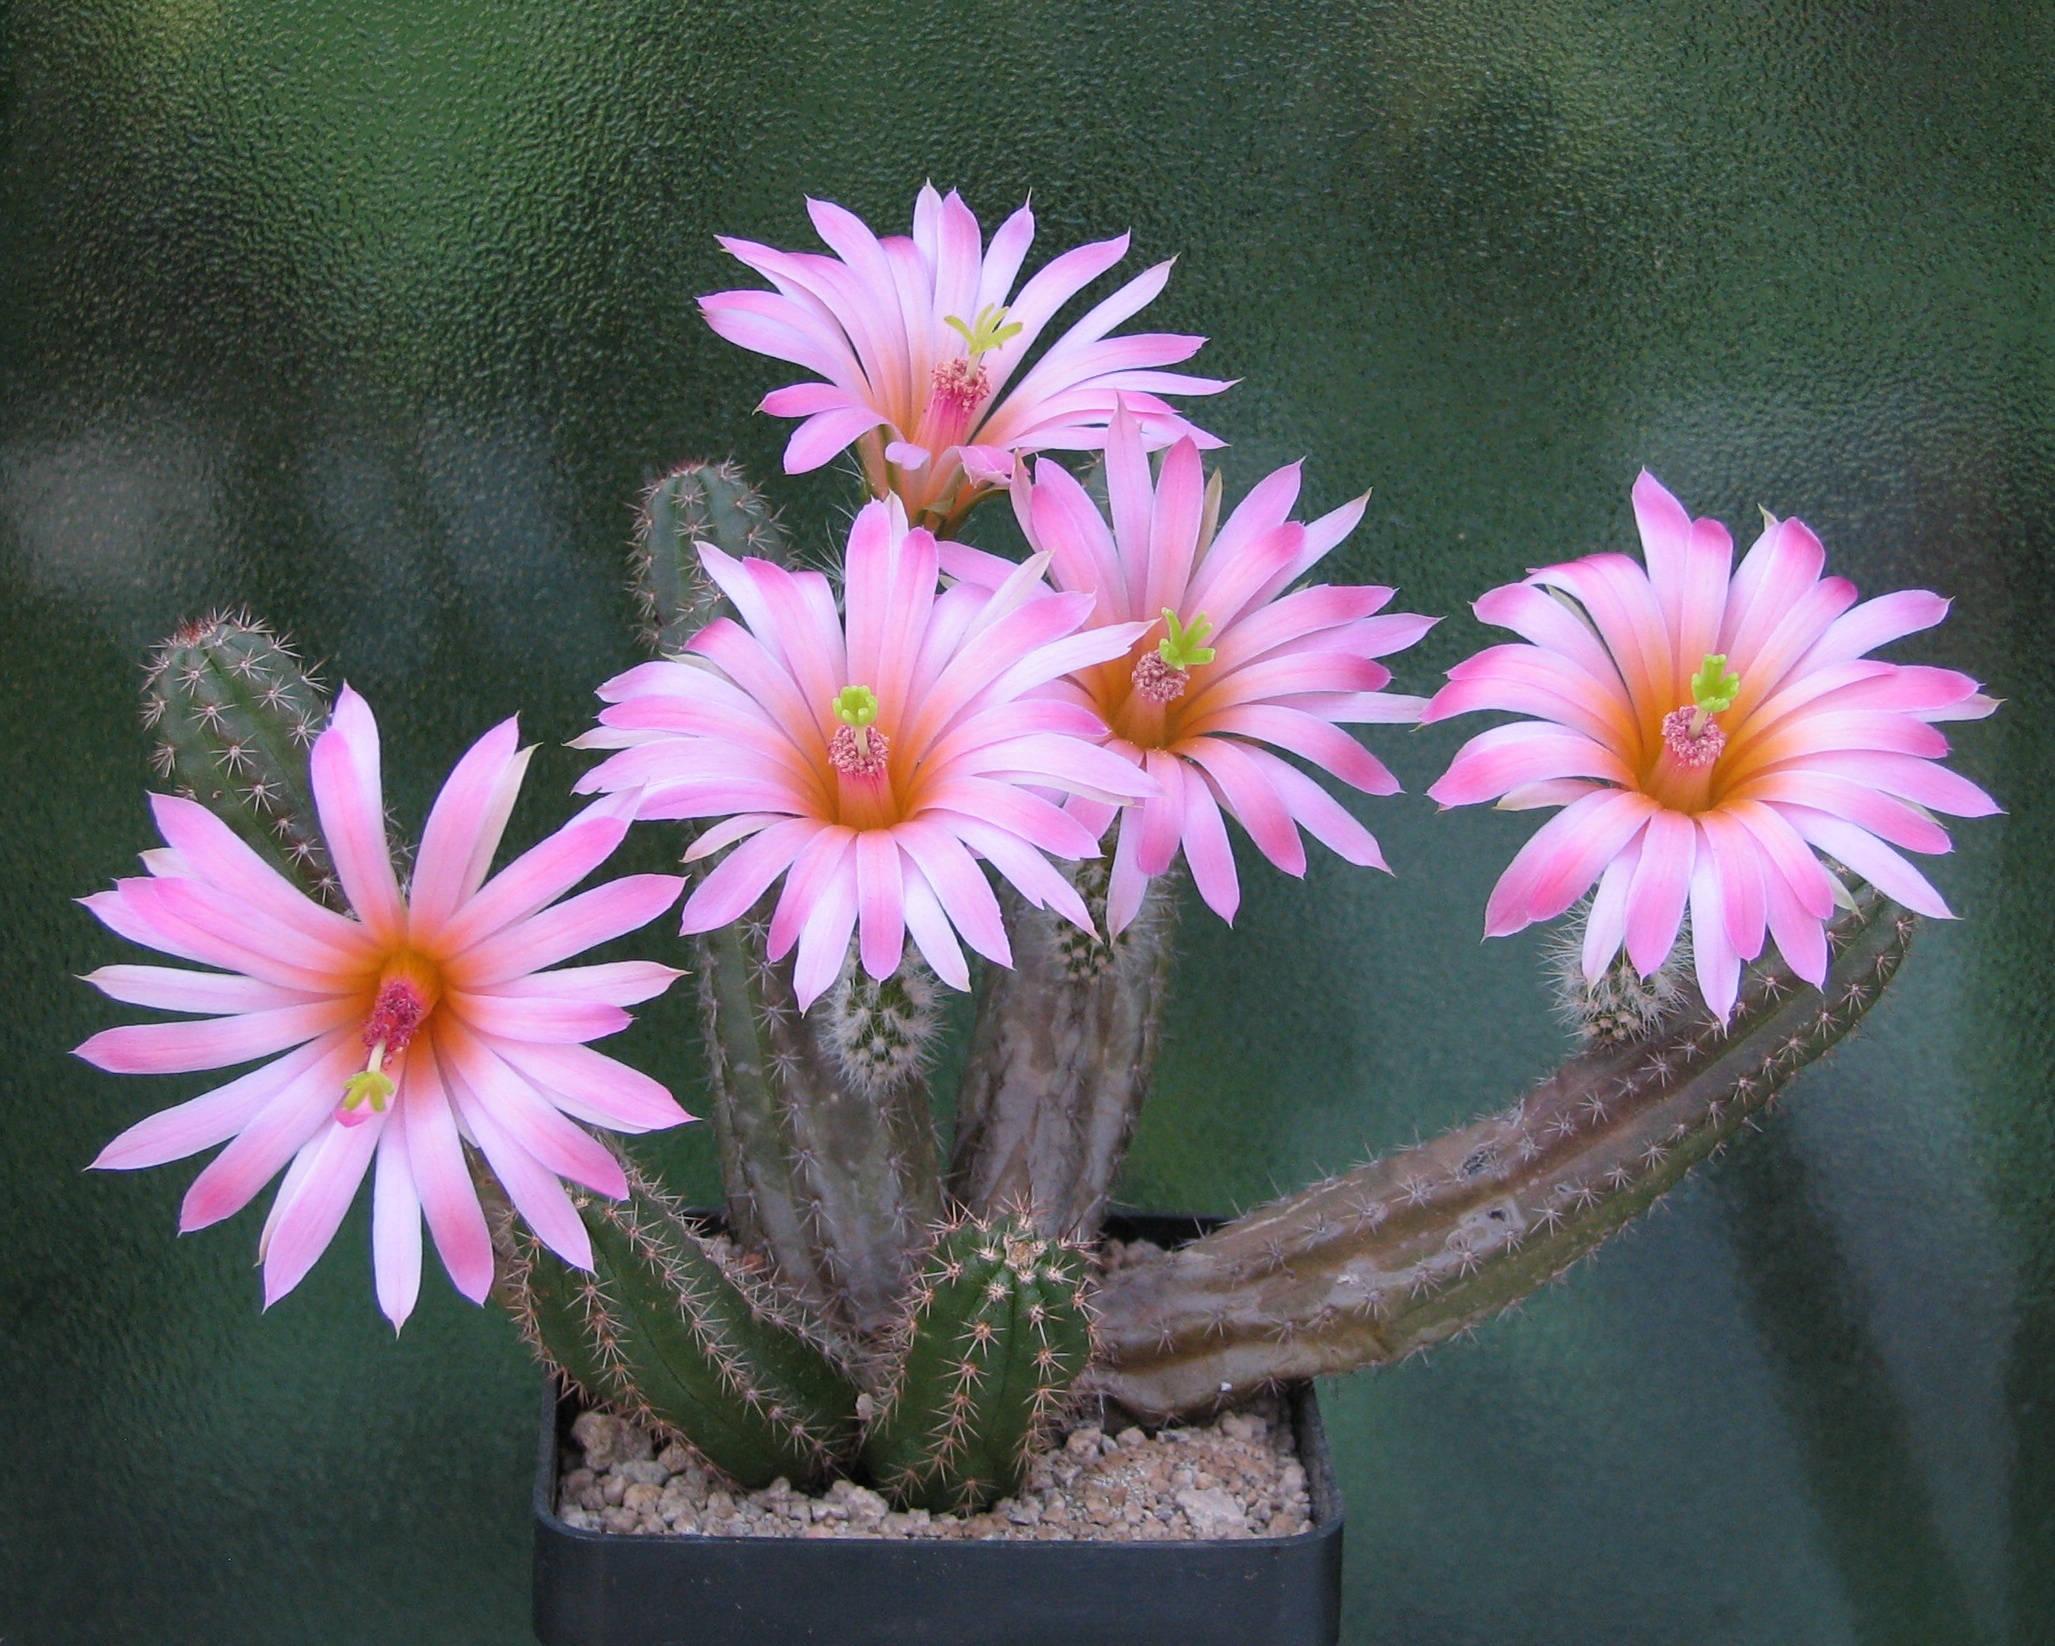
(696, 502)
(1393, 1257)
(997, 1331)
(826, 1138)
(672, 1332)
(235, 712)
(1061, 1059)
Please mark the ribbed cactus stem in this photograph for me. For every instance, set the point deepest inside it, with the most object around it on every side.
(1061, 1059)
(1405, 1252)
(829, 1168)
(669, 1331)
(235, 712)
(696, 502)
(996, 1332)
(834, 1179)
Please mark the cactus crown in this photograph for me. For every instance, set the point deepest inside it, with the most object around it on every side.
(235, 712)
(695, 503)
(996, 1331)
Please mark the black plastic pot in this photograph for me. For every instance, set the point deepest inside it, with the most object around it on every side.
(595, 1589)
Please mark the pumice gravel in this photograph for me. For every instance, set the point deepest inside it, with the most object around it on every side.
(1236, 1477)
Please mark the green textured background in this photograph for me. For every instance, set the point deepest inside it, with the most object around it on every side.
(376, 313)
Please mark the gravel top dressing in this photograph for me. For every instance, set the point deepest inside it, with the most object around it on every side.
(1237, 1477)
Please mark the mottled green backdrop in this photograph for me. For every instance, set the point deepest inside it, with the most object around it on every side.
(376, 313)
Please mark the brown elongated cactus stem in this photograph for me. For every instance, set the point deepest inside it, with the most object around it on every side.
(1407, 1251)
(829, 1172)
(1061, 1059)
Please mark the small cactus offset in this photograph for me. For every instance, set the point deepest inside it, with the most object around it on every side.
(669, 1331)
(997, 1330)
(235, 712)
(697, 502)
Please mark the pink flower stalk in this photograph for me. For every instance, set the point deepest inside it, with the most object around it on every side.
(1222, 663)
(1705, 734)
(420, 1021)
(870, 762)
(918, 340)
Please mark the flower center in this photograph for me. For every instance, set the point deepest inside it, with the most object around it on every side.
(1158, 678)
(857, 749)
(1694, 739)
(402, 1006)
(961, 385)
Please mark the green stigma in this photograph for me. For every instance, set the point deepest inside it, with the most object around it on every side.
(856, 706)
(1715, 686)
(372, 1086)
(1186, 647)
(987, 332)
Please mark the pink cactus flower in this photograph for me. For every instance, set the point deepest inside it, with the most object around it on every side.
(1706, 730)
(1222, 663)
(872, 762)
(923, 350)
(421, 1020)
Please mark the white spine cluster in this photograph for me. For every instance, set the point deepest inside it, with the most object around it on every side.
(1622, 1005)
(881, 1032)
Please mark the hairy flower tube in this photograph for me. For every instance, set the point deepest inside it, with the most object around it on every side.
(1223, 664)
(923, 344)
(417, 1023)
(1707, 729)
(871, 759)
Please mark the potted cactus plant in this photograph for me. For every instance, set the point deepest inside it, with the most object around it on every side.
(906, 1351)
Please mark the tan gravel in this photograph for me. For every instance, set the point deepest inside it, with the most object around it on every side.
(1237, 1477)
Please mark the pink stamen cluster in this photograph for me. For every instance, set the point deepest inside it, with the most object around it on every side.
(962, 385)
(395, 1016)
(1695, 745)
(855, 754)
(1158, 681)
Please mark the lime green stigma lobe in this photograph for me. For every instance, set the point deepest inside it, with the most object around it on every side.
(1715, 686)
(856, 706)
(987, 332)
(1186, 647)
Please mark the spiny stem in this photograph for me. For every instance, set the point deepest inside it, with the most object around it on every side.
(1061, 1059)
(1407, 1251)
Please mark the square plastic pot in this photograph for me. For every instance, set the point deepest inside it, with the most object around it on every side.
(601, 1589)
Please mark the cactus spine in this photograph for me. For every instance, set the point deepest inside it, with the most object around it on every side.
(1621, 1005)
(1061, 1058)
(836, 1181)
(1405, 1252)
(669, 1331)
(235, 712)
(997, 1330)
(696, 502)
(826, 1139)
